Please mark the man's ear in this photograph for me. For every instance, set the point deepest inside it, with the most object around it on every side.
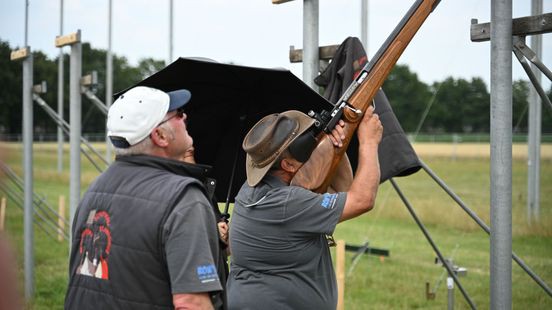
(290, 165)
(160, 137)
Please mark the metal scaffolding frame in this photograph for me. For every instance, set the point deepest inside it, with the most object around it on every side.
(501, 134)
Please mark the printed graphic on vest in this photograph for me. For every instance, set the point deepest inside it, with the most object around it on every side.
(207, 273)
(95, 245)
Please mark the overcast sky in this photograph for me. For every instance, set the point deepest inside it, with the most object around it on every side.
(259, 33)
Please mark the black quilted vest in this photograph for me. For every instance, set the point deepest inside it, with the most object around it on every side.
(117, 234)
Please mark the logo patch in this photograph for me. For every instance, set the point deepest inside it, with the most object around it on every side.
(328, 201)
(207, 273)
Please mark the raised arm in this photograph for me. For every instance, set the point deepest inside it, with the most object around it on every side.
(362, 194)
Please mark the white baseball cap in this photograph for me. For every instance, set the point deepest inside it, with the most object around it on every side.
(134, 115)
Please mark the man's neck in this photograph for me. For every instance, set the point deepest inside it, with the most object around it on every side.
(283, 175)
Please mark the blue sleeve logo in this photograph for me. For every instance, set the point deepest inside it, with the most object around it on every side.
(328, 200)
(207, 273)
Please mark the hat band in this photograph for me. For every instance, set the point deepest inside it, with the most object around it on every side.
(271, 158)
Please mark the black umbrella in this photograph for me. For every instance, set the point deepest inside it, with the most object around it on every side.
(227, 100)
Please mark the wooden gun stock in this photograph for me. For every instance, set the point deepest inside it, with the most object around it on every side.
(318, 171)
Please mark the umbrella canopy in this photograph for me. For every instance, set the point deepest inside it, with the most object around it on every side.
(227, 100)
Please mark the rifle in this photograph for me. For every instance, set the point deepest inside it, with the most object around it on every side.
(317, 173)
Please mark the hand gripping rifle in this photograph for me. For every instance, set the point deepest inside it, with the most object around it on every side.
(317, 173)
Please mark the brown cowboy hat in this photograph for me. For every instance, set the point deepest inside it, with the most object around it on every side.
(269, 138)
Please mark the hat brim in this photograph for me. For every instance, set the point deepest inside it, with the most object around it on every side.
(256, 174)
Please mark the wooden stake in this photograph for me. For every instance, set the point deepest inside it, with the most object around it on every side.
(340, 274)
(61, 222)
(2, 213)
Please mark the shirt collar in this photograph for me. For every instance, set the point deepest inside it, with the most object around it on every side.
(273, 181)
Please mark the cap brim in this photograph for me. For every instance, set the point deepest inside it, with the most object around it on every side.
(178, 99)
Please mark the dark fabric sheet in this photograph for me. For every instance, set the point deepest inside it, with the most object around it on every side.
(396, 155)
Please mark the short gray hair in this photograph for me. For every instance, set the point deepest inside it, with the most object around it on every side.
(140, 148)
(143, 147)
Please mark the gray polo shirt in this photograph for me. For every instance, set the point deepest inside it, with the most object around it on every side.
(192, 246)
(280, 255)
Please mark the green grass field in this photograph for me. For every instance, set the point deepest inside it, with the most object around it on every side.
(394, 282)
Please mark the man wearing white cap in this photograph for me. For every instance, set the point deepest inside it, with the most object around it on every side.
(145, 233)
(280, 255)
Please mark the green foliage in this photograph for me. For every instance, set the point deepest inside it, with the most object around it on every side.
(10, 91)
(547, 114)
(408, 96)
(454, 105)
(44, 70)
(460, 106)
(520, 96)
(520, 92)
(124, 76)
(149, 66)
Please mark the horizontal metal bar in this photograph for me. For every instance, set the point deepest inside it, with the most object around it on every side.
(367, 250)
(324, 53)
(522, 26)
(280, 1)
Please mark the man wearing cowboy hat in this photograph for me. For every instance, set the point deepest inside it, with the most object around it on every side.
(280, 254)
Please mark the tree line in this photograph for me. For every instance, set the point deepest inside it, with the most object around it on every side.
(453, 105)
(45, 69)
(450, 106)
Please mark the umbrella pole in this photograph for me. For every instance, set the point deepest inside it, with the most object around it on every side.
(225, 215)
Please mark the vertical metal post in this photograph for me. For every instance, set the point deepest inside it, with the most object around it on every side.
(60, 137)
(28, 164)
(310, 42)
(109, 79)
(170, 31)
(534, 129)
(340, 273)
(364, 24)
(501, 154)
(75, 127)
(26, 22)
(450, 290)
(28, 174)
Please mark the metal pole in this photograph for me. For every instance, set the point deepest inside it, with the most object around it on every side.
(109, 80)
(95, 100)
(450, 287)
(446, 264)
(364, 24)
(534, 129)
(501, 154)
(28, 164)
(28, 174)
(60, 137)
(310, 42)
(532, 76)
(66, 129)
(75, 125)
(26, 23)
(484, 226)
(170, 31)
